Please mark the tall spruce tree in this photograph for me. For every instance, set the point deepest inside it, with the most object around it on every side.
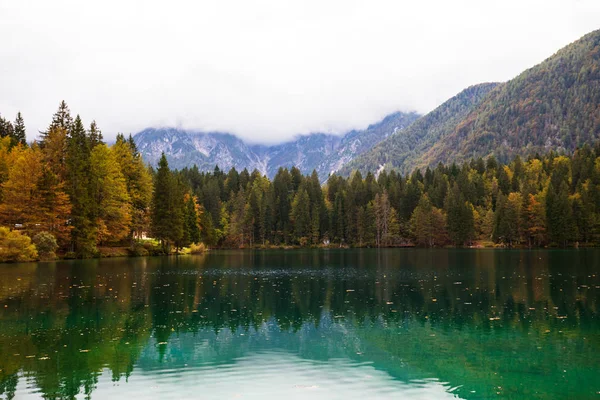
(78, 176)
(19, 134)
(191, 217)
(167, 217)
(460, 217)
(61, 119)
(95, 135)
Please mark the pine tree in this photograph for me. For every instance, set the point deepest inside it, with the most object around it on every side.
(424, 223)
(6, 128)
(19, 134)
(300, 216)
(95, 135)
(78, 176)
(559, 214)
(61, 119)
(167, 219)
(459, 217)
(192, 220)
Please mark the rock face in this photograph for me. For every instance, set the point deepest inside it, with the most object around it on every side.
(322, 152)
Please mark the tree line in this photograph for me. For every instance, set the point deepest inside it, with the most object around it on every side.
(550, 200)
(71, 193)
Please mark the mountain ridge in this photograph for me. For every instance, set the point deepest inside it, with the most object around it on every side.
(322, 152)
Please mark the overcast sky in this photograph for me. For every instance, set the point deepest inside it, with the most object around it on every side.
(266, 70)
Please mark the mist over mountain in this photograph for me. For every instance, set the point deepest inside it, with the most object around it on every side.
(325, 153)
(553, 106)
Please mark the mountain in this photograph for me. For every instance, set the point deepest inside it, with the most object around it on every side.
(552, 106)
(322, 152)
(405, 148)
(205, 149)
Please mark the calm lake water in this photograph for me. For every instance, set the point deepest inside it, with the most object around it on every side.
(364, 324)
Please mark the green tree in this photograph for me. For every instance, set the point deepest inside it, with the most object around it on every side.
(78, 167)
(192, 220)
(300, 216)
(428, 224)
(460, 220)
(559, 214)
(19, 134)
(167, 207)
(46, 245)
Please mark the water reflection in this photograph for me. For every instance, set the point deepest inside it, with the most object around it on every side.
(474, 324)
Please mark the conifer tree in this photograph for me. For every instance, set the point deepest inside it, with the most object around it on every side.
(192, 220)
(167, 207)
(84, 233)
(19, 134)
(61, 119)
(95, 135)
(300, 215)
(460, 217)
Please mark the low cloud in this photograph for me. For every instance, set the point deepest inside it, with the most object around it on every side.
(266, 70)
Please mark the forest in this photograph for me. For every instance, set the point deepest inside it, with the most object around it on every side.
(72, 195)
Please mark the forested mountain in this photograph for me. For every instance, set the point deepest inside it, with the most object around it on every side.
(403, 149)
(319, 151)
(554, 105)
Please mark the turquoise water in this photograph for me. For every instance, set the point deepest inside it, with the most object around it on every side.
(318, 324)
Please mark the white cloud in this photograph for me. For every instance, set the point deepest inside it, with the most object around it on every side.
(269, 69)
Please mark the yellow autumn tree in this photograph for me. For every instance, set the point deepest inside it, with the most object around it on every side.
(19, 206)
(139, 185)
(33, 196)
(112, 208)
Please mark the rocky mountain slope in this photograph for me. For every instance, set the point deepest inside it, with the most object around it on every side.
(324, 153)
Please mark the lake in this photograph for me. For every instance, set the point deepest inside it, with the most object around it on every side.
(318, 324)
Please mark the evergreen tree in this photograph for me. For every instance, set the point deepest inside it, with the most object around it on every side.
(84, 233)
(460, 217)
(61, 119)
(191, 220)
(95, 135)
(19, 135)
(167, 207)
(300, 216)
(559, 214)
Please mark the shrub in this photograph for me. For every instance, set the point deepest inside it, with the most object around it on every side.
(138, 250)
(46, 245)
(16, 247)
(197, 248)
